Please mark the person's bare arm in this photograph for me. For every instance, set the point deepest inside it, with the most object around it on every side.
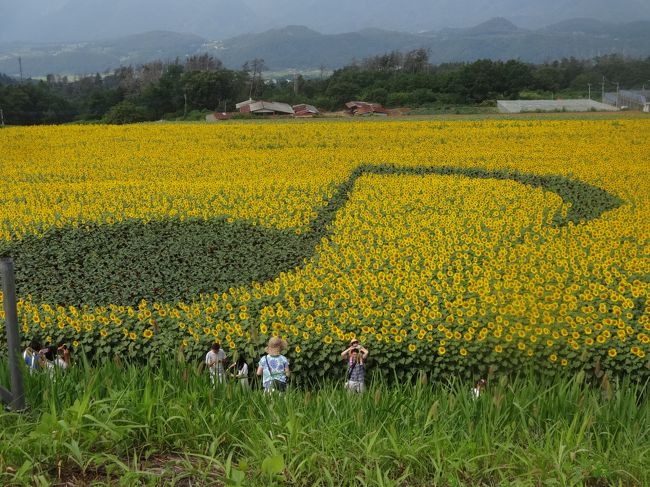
(260, 370)
(66, 355)
(364, 353)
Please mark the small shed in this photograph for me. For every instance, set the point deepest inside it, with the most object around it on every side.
(265, 108)
(304, 110)
(242, 104)
(364, 109)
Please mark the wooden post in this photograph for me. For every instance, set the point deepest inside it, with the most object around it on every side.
(15, 397)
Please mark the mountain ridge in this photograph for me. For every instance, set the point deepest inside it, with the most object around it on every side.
(302, 48)
(90, 20)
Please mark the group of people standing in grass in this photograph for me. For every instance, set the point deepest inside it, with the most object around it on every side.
(273, 367)
(47, 359)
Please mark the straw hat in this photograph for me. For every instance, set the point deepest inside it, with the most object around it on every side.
(276, 346)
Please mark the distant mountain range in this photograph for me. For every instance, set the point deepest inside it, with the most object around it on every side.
(92, 20)
(300, 48)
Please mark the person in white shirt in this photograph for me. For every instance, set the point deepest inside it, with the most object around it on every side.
(215, 359)
(59, 359)
(62, 359)
(241, 368)
(479, 388)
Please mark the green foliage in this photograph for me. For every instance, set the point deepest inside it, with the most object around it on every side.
(165, 96)
(341, 92)
(33, 103)
(165, 425)
(486, 79)
(393, 79)
(125, 112)
(99, 102)
(195, 116)
(210, 89)
(163, 260)
(376, 95)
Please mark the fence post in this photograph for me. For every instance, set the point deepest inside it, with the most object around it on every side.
(17, 394)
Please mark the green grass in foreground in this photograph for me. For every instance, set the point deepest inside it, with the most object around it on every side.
(134, 425)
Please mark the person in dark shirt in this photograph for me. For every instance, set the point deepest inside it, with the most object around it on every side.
(356, 356)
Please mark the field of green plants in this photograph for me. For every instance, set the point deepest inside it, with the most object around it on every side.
(134, 425)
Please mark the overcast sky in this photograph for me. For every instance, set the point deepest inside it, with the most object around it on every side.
(79, 20)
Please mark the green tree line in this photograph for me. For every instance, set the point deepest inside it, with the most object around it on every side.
(186, 90)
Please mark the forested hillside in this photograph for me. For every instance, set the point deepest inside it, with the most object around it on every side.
(185, 90)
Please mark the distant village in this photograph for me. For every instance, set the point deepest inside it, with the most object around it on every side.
(303, 110)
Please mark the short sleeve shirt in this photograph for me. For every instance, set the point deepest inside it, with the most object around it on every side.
(31, 360)
(211, 356)
(277, 364)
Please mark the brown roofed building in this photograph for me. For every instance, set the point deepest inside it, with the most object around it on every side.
(363, 108)
(264, 108)
(304, 110)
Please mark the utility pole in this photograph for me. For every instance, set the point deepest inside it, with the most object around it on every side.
(250, 90)
(295, 83)
(589, 86)
(16, 396)
(20, 68)
(603, 90)
(618, 104)
(2, 119)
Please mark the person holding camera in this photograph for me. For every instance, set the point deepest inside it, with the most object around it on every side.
(47, 359)
(56, 358)
(356, 356)
(240, 371)
(62, 359)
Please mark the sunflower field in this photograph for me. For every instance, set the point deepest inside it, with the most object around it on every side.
(443, 246)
